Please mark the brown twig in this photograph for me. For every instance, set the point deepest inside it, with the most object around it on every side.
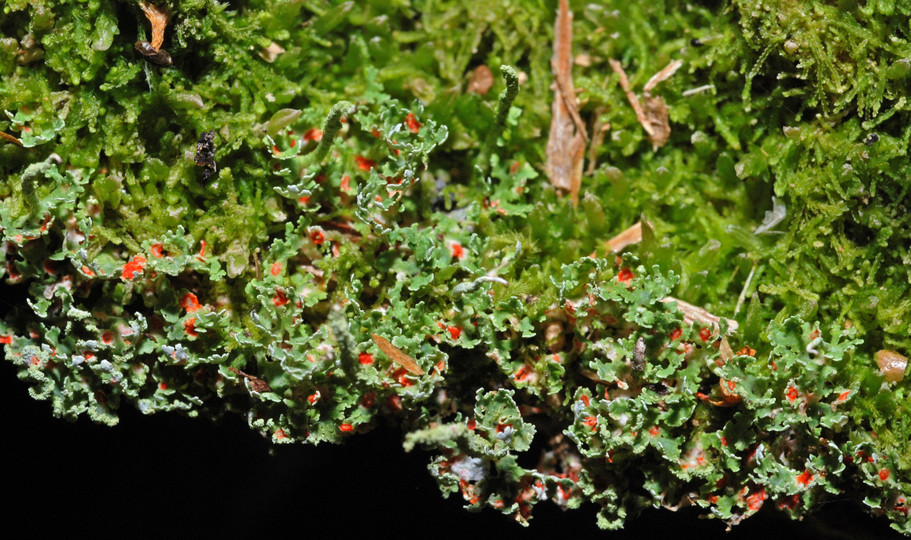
(10, 138)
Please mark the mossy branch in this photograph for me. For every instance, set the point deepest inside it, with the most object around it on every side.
(507, 96)
(330, 130)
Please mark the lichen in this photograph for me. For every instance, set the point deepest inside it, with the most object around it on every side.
(362, 184)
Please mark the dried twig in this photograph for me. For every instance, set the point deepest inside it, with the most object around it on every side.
(10, 138)
(632, 235)
(396, 355)
(653, 115)
(256, 384)
(566, 142)
(693, 314)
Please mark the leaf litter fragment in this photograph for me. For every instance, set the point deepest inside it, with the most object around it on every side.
(566, 142)
(396, 355)
(653, 114)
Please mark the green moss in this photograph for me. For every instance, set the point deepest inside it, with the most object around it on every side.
(361, 189)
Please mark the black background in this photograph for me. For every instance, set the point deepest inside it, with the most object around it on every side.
(168, 475)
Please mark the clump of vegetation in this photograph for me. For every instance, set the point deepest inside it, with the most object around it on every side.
(327, 213)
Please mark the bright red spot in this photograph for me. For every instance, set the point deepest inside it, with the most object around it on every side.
(346, 428)
(6, 340)
(163, 386)
(365, 358)
(521, 373)
(625, 275)
(133, 267)
(754, 501)
(87, 271)
(724, 441)
(202, 251)
(35, 361)
(280, 434)
(313, 135)
(654, 431)
(156, 250)
(705, 334)
(843, 396)
(792, 393)
(276, 268)
(457, 250)
(732, 385)
(805, 478)
(401, 375)
(676, 333)
(471, 424)
(293, 143)
(107, 338)
(412, 123)
(591, 422)
(189, 327)
(313, 398)
(190, 303)
(585, 400)
(884, 474)
(454, 332)
(280, 299)
(275, 150)
(345, 183)
(363, 163)
(303, 200)
(317, 237)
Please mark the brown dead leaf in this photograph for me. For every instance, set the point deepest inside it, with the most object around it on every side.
(653, 116)
(159, 20)
(396, 355)
(481, 80)
(566, 142)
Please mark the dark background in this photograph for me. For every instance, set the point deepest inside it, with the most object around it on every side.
(167, 475)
